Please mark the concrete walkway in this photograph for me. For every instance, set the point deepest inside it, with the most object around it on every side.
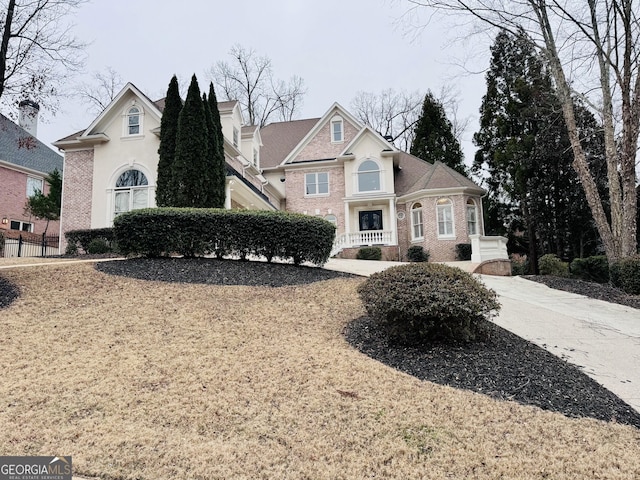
(601, 338)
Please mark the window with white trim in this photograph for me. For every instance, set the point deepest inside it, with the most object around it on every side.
(316, 183)
(131, 192)
(34, 185)
(337, 130)
(417, 227)
(22, 226)
(445, 217)
(370, 220)
(134, 121)
(472, 217)
(332, 218)
(369, 176)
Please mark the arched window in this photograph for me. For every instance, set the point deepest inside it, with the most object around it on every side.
(472, 217)
(131, 192)
(369, 177)
(445, 217)
(134, 121)
(417, 229)
(332, 218)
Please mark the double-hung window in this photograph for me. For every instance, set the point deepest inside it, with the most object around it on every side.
(316, 183)
(472, 217)
(417, 227)
(133, 121)
(337, 130)
(369, 177)
(445, 217)
(34, 185)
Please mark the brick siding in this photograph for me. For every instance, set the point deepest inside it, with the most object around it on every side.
(77, 191)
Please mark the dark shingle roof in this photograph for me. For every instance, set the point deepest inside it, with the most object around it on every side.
(23, 150)
(279, 139)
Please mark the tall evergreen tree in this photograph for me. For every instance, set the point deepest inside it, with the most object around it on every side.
(525, 156)
(190, 162)
(434, 139)
(165, 186)
(219, 162)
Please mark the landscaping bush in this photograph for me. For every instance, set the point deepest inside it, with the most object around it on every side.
(591, 269)
(98, 246)
(625, 274)
(196, 232)
(369, 253)
(463, 251)
(417, 303)
(416, 253)
(81, 239)
(519, 265)
(550, 264)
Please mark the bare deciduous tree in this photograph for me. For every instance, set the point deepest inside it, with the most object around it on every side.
(249, 80)
(390, 113)
(592, 52)
(38, 53)
(104, 87)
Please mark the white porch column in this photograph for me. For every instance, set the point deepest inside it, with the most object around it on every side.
(347, 219)
(227, 195)
(394, 221)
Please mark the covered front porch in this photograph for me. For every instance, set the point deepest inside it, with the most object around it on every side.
(368, 222)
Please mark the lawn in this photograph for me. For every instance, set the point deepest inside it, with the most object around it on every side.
(147, 380)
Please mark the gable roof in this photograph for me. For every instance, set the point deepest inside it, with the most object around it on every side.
(335, 109)
(280, 138)
(20, 148)
(415, 175)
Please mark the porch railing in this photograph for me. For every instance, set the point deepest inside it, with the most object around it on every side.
(360, 239)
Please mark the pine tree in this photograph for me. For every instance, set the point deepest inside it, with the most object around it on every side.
(219, 174)
(191, 152)
(525, 156)
(433, 136)
(165, 187)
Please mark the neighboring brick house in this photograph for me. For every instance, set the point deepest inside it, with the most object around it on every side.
(333, 167)
(339, 169)
(25, 162)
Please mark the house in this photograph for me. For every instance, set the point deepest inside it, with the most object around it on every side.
(25, 162)
(333, 166)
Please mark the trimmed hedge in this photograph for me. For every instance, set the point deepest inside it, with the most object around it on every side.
(625, 274)
(423, 302)
(369, 253)
(591, 269)
(81, 239)
(192, 232)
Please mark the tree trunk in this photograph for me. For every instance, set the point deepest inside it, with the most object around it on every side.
(4, 46)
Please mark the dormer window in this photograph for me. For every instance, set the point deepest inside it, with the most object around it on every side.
(134, 121)
(337, 133)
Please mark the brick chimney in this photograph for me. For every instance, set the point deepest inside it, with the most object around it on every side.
(28, 116)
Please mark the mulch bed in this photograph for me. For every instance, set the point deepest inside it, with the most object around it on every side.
(502, 365)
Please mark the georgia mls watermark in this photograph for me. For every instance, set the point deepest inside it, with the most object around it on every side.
(35, 468)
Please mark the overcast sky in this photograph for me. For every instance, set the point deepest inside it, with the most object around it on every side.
(339, 47)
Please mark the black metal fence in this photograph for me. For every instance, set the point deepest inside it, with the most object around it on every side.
(30, 245)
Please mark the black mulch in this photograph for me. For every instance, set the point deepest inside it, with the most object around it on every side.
(8, 292)
(218, 272)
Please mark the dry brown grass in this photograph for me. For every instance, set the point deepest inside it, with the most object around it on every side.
(146, 380)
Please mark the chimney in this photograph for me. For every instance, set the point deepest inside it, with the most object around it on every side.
(28, 116)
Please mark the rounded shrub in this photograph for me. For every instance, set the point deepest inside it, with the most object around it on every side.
(591, 269)
(416, 253)
(425, 302)
(98, 246)
(463, 251)
(625, 275)
(369, 253)
(550, 264)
